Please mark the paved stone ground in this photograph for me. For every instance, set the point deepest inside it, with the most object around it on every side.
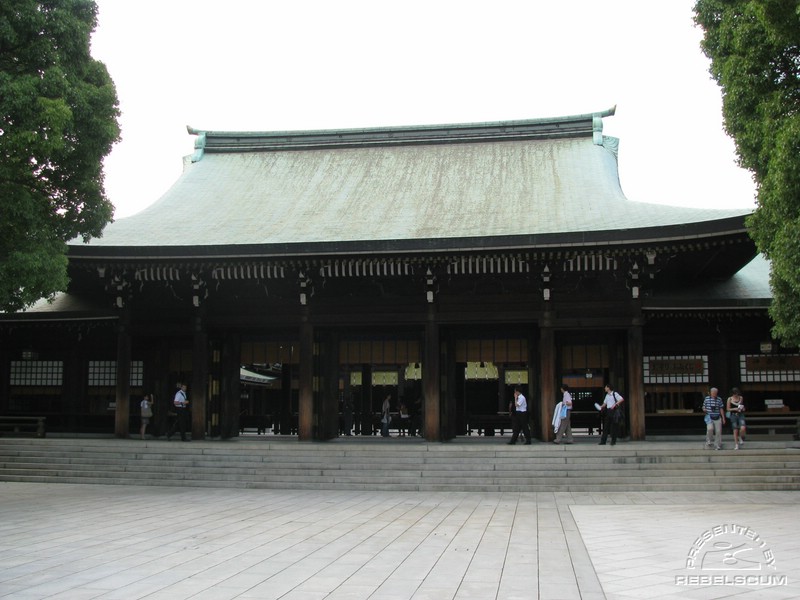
(124, 542)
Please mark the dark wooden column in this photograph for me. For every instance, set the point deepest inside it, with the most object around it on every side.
(722, 367)
(6, 343)
(365, 406)
(547, 380)
(123, 390)
(231, 391)
(305, 418)
(285, 422)
(328, 405)
(198, 394)
(431, 372)
(163, 388)
(635, 397)
(74, 383)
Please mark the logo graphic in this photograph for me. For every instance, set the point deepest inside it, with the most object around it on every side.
(731, 554)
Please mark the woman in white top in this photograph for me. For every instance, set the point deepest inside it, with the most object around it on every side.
(146, 408)
(735, 409)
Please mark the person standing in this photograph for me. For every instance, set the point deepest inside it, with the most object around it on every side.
(181, 404)
(612, 405)
(347, 416)
(386, 416)
(146, 410)
(404, 419)
(714, 418)
(735, 412)
(520, 421)
(564, 427)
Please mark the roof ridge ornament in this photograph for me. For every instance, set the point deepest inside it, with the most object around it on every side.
(597, 124)
(199, 143)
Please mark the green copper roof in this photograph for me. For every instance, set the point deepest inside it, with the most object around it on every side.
(544, 177)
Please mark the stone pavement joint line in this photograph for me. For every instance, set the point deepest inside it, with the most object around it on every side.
(60, 541)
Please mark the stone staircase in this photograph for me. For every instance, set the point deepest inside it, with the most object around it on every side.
(398, 464)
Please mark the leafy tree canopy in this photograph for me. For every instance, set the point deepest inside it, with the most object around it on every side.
(58, 119)
(754, 47)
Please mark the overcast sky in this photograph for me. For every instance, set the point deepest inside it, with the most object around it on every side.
(265, 65)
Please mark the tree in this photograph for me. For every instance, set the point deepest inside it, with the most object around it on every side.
(58, 119)
(754, 47)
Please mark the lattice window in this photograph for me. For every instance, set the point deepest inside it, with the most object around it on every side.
(37, 372)
(689, 368)
(518, 377)
(103, 373)
(767, 368)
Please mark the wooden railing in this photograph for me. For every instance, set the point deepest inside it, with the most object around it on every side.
(17, 425)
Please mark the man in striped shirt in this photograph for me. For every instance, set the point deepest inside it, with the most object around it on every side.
(714, 410)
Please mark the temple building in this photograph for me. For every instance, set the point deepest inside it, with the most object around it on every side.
(291, 277)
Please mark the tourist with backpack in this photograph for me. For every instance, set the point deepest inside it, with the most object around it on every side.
(612, 414)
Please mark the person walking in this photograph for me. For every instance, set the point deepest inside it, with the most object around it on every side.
(714, 418)
(181, 405)
(735, 412)
(146, 412)
(564, 426)
(520, 421)
(386, 416)
(612, 405)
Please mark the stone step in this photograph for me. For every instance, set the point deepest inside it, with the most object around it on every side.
(478, 467)
(573, 487)
(230, 472)
(400, 457)
(478, 470)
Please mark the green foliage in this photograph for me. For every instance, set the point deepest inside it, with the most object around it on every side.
(58, 119)
(754, 47)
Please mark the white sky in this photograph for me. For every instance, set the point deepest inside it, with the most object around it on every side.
(274, 65)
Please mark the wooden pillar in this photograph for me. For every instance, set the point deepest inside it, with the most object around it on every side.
(635, 399)
(721, 376)
(285, 423)
(365, 406)
(6, 342)
(431, 374)
(348, 405)
(328, 405)
(547, 381)
(454, 417)
(501, 404)
(123, 389)
(74, 383)
(230, 397)
(305, 417)
(163, 388)
(198, 394)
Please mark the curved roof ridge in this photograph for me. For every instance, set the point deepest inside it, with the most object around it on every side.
(540, 128)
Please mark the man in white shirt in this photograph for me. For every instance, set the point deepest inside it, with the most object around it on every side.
(520, 419)
(181, 405)
(611, 414)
